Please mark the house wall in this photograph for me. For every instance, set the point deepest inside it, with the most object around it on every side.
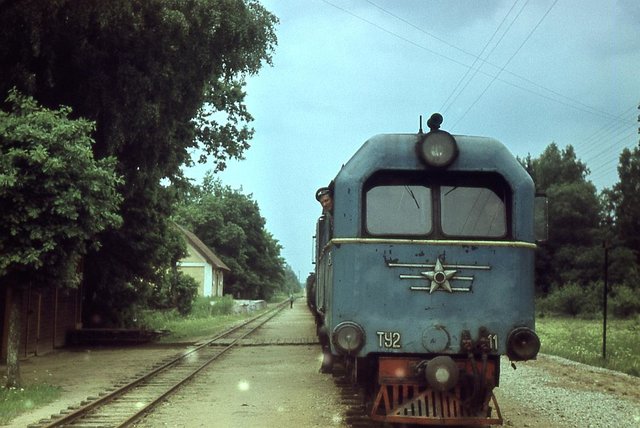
(218, 281)
(197, 267)
(193, 256)
(195, 271)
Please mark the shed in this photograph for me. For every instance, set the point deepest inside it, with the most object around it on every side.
(203, 265)
(47, 316)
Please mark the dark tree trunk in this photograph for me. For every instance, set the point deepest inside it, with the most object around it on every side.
(14, 296)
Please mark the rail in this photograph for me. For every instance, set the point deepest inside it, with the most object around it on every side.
(127, 403)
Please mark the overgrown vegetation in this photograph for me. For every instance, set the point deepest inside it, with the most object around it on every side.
(581, 340)
(176, 290)
(160, 79)
(587, 228)
(230, 223)
(208, 317)
(587, 302)
(15, 401)
(55, 200)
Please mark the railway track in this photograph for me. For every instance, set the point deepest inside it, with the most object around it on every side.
(126, 403)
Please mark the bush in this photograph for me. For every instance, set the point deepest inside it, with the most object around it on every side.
(175, 290)
(624, 302)
(572, 299)
(223, 305)
(212, 306)
(184, 292)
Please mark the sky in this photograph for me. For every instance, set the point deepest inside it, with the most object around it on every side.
(526, 72)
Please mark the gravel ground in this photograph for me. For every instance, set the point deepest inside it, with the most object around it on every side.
(266, 386)
(553, 392)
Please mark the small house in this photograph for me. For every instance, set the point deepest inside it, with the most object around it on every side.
(203, 265)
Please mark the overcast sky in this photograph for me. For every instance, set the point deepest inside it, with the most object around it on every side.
(526, 72)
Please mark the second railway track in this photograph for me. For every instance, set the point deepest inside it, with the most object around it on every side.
(126, 403)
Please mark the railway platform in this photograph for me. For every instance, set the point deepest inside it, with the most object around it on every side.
(292, 326)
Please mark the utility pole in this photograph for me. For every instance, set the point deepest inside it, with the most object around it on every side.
(605, 244)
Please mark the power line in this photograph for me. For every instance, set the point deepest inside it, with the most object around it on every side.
(598, 141)
(608, 150)
(561, 99)
(444, 107)
(608, 133)
(476, 67)
(508, 61)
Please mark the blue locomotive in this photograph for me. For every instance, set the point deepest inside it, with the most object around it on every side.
(424, 274)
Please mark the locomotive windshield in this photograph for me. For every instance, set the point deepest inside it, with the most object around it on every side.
(387, 204)
(472, 211)
(434, 207)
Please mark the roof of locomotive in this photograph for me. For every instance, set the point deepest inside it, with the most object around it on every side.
(398, 152)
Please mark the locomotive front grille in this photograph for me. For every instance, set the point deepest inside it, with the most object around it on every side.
(407, 403)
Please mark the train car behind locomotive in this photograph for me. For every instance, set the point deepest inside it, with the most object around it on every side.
(424, 274)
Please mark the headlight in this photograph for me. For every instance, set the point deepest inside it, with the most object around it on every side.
(522, 344)
(437, 148)
(442, 373)
(348, 337)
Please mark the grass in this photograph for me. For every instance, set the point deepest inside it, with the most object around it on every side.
(581, 340)
(194, 328)
(209, 317)
(14, 401)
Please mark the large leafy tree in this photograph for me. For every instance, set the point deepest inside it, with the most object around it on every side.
(625, 196)
(159, 78)
(572, 252)
(230, 223)
(54, 199)
(622, 219)
(291, 282)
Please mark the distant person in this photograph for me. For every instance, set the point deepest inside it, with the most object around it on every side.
(291, 299)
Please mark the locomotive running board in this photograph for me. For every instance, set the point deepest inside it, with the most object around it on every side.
(426, 408)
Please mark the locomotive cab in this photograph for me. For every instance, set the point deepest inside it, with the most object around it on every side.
(424, 274)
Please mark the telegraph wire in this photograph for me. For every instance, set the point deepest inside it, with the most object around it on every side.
(444, 107)
(474, 56)
(594, 145)
(619, 125)
(608, 150)
(600, 172)
(500, 75)
(566, 101)
(591, 109)
(508, 61)
(590, 143)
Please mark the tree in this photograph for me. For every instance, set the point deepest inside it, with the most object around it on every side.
(626, 200)
(570, 254)
(291, 283)
(159, 78)
(230, 223)
(555, 166)
(54, 198)
(622, 220)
